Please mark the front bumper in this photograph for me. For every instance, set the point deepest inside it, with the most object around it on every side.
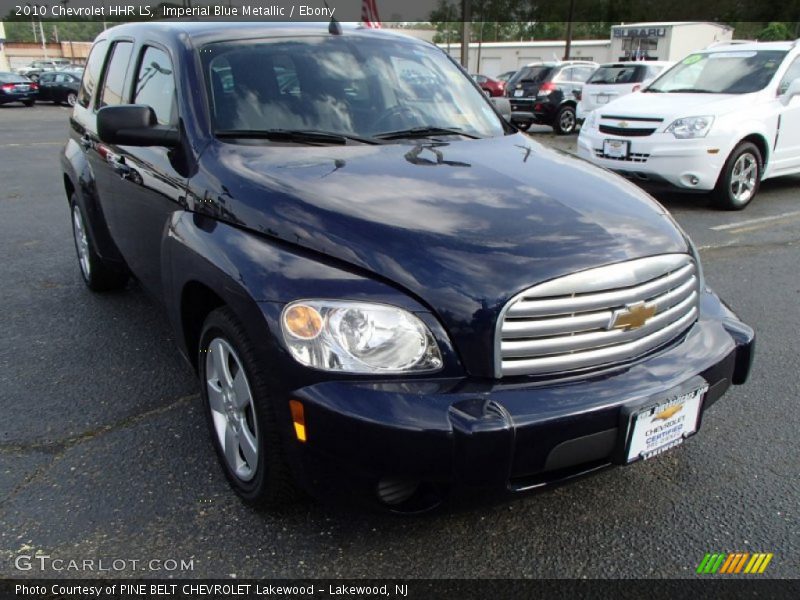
(661, 158)
(502, 437)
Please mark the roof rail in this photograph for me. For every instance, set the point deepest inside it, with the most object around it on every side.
(730, 43)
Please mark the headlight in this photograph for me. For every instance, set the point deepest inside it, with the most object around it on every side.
(690, 127)
(358, 337)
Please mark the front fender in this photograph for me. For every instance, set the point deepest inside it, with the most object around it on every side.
(256, 276)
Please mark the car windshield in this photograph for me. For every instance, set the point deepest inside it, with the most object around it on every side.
(531, 75)
(617, 74)
(358, 87)
(724, 72)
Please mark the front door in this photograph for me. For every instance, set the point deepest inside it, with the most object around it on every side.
(786, 157)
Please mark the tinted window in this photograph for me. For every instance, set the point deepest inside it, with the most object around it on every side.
(115, 74)
(583, 73)
(155, 85)
(792, 74)
(46, 78)
(617, 75)
(92, 73)
(530, 75)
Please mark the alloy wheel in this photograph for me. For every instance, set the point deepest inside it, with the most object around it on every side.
(232, 409)
(81, 241)
(744, 176)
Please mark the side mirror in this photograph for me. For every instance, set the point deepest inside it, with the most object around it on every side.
(503, 106)
(134, 125)
(791, 92)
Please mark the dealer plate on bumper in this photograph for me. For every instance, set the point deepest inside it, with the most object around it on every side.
(616, 148)
(665, 425)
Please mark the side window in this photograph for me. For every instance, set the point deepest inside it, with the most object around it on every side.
(45, 78)
(116, 70)
(792, 74)
(92, 73)
(566, 74)
(583, 73)
(155, 85)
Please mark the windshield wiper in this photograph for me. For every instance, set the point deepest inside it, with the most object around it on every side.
(294, 135)
(425, 131)
(691, 91)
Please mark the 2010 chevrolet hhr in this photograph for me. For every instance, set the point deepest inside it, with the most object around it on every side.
(388, 292)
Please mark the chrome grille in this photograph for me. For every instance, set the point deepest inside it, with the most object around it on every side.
(637, 157)
(568, 323)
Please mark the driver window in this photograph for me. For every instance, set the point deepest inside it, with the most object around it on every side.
(791, 74)
(155, 85)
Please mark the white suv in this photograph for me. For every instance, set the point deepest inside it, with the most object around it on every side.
(721, 120)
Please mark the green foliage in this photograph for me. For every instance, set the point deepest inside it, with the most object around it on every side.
(76, 31)
(776, 31)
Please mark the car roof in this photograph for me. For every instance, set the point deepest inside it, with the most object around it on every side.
(748, 46)
(561, 63)
(201, 32)
(633, 63)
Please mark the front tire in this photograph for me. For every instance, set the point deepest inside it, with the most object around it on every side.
(523, 126)
(240, 413)
(99, 275)
(740, 178)
(565, 121)
(71, 99)
(29, 103)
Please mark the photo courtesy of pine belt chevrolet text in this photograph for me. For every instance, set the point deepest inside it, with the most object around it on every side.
(389, 294)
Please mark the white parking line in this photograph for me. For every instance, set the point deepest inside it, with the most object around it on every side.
(794, 213)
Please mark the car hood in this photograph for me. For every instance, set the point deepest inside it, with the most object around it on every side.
(675, 106)
(462, 226)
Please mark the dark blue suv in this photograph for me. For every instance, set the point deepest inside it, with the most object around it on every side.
(387, 292)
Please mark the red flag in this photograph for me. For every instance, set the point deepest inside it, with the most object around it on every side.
(369, 14)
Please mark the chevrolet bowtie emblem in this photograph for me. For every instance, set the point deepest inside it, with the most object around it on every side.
(632, 316)
(668, 412)
(623, 123)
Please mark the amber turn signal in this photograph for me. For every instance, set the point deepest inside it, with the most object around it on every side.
(303, 321)
(299, 419)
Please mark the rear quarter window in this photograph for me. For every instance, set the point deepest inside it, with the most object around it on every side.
(91, 74)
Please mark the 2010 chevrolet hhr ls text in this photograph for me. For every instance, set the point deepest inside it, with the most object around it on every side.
(388, 293)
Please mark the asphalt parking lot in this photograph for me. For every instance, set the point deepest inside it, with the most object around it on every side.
(104, 452)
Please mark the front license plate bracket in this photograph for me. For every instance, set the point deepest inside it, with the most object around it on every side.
(630, 412)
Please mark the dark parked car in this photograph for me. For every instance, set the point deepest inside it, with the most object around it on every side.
(60, 87)
(387, 293)
(547, 94)
(16, 88)
(493, 87)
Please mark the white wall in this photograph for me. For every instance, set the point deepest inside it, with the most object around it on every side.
(4, 66)
(499, 57)
(689, 38)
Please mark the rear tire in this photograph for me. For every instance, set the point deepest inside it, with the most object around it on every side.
(29, 103)
(71, 99)
(239, 406)
(565, 121)
(99, 275)
(740, 178)
(523, 126)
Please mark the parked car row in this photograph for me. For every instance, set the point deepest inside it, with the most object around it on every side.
(60, 87)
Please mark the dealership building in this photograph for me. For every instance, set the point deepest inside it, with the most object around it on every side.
(633, 41)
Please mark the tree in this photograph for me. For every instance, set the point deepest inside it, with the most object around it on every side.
(776, 31)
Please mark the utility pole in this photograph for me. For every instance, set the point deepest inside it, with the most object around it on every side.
(568, 48)
(44, 39)
(466, 27)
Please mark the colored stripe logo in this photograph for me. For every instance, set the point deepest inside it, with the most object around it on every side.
(734, 563)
